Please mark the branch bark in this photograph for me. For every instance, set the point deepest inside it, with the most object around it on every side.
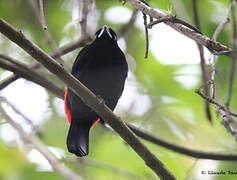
(21, 70)
(233, 62)
(215, 47)
(160, 142)
(89, 99)
(205, 77)
(57, 53)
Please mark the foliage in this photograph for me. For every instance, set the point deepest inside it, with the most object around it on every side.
(176, 113)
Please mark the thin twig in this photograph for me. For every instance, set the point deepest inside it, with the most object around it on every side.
(37, 144)
(35, 128)
(103, 165)
(3, 122)
(233, 63)
(38, 7)
(225, 114)
(57, 53)
(216, 33)
(162, 19)
(226, 19)
(88, 98)
(22, 70)
(41, 13)
(86, 6)
(213, 101)
(122, 31)
(176, 148)
(180, 149)
(146, 35)
(205, 77)
(213, 46)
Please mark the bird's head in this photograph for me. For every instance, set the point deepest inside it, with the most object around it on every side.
(106, 33)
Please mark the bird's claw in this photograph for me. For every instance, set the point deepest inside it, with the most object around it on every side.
(100, 99)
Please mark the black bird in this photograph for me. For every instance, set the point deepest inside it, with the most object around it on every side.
(101, 66)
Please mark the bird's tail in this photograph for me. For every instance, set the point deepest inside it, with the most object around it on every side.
(78, 139)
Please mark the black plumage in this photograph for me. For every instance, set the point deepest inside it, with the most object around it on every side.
(102, 68)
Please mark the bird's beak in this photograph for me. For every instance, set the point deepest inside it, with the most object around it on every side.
(105, 30)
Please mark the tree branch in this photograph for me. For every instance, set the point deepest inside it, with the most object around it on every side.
(86, 5)
(103, 165)
(216, 33)
(233, 63)
(23, 71)
(37, 144)
(88, 98)
(41, 14)
(57, 53)
(215, 47)
(35, 128)
(225, 114)
(121, 32)
(168, 145)
(38, 7)
(222, 24)
(179, 149)
(205, 77)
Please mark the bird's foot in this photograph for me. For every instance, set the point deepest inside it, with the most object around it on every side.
(100, 99)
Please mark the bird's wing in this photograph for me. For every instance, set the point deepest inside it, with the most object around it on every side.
(80, 62)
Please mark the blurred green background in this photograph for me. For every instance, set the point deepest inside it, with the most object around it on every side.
(159, 96)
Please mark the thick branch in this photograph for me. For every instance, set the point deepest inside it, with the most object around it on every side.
(23, 71)
(37, 144)
(176, 148)
(89, 99)
(57, 53)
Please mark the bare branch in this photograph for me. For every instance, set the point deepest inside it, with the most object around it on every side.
(86, 5)
(35, 128)
(215, 47)
(217, 32)
(57, 53)
(121, 32)
(205, 77)
(146, 35)
(222, 24)
(92, 162)
(225, 114)
(176, 148)
(41, 14)
(179, 149)
(23, 71)
(233, 63)
(37, 144)
(89, 99)
(213, 101)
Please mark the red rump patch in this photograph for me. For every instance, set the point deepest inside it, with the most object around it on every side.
(66, 108)
(68, 112)
(95, 121)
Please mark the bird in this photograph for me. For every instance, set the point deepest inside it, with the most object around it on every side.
(102, 67)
